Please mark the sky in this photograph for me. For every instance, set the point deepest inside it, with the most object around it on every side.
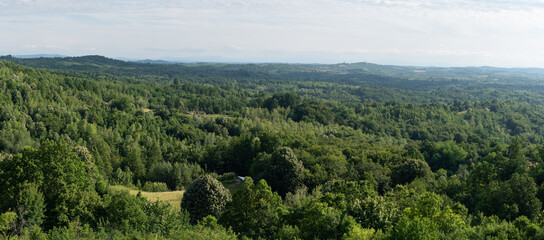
(501, 33)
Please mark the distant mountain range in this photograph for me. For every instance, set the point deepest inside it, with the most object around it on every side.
(152, 61)
(41, 56)
(354, 70)
(64, 56)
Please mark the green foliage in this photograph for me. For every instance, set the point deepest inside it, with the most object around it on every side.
(410, 170)
(67, 190)
(351, 190)
(313, 111)
(494, 228)
(163, 219)
(375, 213)
(176, 176)
(101, 187)
(283, 100)
(510, 199)
(255, 211)
(121, 104)
(228, 178)
(155, 187)
(121, 177)
(446, 155)
(463, 143)
(429, 218)
(7, 220)
(360, 233)
(30, 207)
(317, 220)
(206, 196)
(73, 230)
(283, 171)
(200, 232)
(125, 212)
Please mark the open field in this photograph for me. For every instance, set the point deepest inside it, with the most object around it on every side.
(171, 197)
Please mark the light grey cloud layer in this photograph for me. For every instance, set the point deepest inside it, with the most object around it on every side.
(415, 32)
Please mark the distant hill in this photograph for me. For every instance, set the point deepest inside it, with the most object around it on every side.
(84, 63)
(353, 74)
(153, 61)
(41, 56)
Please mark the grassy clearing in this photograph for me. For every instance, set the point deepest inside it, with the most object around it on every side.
(172, 197)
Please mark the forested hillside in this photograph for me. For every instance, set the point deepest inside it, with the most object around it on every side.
(346, 151)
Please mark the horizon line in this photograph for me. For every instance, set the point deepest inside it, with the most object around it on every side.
(172, 60)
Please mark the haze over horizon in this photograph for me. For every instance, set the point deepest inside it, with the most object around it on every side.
(502, 33)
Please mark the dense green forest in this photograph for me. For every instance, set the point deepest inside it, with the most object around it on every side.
(345, 151)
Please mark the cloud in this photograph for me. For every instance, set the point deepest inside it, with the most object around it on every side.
(29, 46)
(502, 32)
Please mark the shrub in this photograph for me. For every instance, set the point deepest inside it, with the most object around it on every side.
(155, 187)
(228, 178)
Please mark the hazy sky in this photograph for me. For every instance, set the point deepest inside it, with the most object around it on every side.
(407, 32)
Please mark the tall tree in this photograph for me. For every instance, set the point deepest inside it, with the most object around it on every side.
(254, 211)
(60, 175)
(206, 196)
(284, 171)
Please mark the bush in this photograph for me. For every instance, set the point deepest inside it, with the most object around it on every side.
(6, 221)
(121, 177)
(101, 187)
(155, 187)
(228, 178)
